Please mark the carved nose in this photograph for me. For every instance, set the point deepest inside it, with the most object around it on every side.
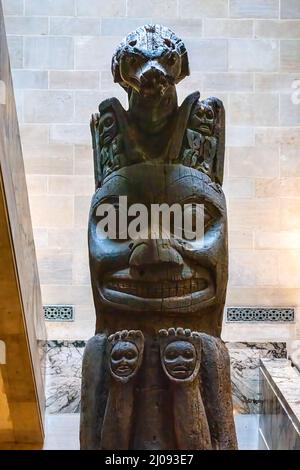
(157, 258)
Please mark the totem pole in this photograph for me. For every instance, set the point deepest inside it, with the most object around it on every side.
(156, 375)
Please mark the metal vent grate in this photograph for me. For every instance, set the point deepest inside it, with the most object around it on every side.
(59, 312)
(258, 314)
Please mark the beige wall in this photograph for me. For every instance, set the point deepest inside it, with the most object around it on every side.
(22, 325)
(247, 52)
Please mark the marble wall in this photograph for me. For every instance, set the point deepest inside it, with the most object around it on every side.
(245, 362)
(63, 374)
(279, 422)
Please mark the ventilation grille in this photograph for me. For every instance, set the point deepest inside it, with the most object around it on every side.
(257, 314)
(59, 312)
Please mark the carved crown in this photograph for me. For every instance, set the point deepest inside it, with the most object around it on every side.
(194, 135)
(197, 138)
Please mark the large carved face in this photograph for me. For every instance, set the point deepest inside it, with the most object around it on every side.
(174, 277)
(180, 359)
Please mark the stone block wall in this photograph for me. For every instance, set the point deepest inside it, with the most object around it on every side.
(247, 52)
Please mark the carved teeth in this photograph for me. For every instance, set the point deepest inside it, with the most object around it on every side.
(158, 291)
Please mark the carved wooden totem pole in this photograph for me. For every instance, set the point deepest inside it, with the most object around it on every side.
(156, 374)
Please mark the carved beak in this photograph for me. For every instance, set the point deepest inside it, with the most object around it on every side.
(153, 79)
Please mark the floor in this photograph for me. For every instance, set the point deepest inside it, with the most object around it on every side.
(62, 432)
(247, 431)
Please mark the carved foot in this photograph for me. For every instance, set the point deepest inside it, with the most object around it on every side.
(125, 354)
(93, 392)
(125, 357)
(216, 392)
(180, 352)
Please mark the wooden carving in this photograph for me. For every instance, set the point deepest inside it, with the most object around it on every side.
(156, 375)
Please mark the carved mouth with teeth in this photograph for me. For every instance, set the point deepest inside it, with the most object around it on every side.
(184, 293)
(159, 290)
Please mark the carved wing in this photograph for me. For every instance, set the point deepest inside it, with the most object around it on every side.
(206, 138)
(94, 125)
(219, 134)
(107, 139)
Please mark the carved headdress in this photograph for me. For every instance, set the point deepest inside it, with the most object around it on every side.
(195, 133)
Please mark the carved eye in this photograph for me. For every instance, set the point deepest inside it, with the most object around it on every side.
(116, 355)
(169, 43)
(209, 114)
(200, 112)
(130, 355)
(197, 219)
(208, 218)
(131, 59)
(132, 43)
(171, 354)
(193, 220)
(188, 354)
(172, 59)
(108, 122)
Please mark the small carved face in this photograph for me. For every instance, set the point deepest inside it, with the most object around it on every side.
(180, 359)
(107, 128)
(203, 120)
(124, 358)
